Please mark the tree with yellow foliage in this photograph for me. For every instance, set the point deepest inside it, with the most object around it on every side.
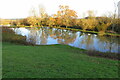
(89, 22)
(51, 21)
(32, 21)
(66, 15)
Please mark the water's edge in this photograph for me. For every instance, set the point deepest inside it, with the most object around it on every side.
(48, 36)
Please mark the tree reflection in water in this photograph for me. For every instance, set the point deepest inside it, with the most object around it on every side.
(47, 35)
(63, 36)
(111, 44)
(37, 36)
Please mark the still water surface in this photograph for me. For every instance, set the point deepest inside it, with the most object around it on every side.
(48, 36)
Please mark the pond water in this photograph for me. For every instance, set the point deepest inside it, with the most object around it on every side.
(48, 36)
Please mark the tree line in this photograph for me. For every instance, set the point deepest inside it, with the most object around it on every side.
(68, 18)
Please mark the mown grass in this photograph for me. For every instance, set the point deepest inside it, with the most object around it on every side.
(51, 61)
(56, 61)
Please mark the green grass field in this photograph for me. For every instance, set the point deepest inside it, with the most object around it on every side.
(54, 61)
(22, 60)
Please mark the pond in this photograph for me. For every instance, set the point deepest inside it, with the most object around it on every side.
(48, 36)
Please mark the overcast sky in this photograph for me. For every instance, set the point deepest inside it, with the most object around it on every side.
(21, 8)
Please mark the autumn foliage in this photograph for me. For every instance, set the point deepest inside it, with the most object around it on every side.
(68, 18)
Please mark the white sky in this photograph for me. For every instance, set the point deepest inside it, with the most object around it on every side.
(21, 8)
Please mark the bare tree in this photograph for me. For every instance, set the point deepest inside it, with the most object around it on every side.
(114, 15)
(42, 11)
(91, 14)
(118, 9)
(33, 12)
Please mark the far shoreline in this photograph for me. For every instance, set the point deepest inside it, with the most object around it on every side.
(73, 29)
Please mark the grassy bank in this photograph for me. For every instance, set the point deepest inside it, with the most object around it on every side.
(55, 61)
(73, 29)
(10, 36)
(51, 61)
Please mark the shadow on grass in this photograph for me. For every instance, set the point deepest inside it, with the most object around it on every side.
(109, 55)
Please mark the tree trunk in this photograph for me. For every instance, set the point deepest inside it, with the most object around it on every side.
(66, 26)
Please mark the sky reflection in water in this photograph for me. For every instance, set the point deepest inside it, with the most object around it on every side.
(47, 36)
